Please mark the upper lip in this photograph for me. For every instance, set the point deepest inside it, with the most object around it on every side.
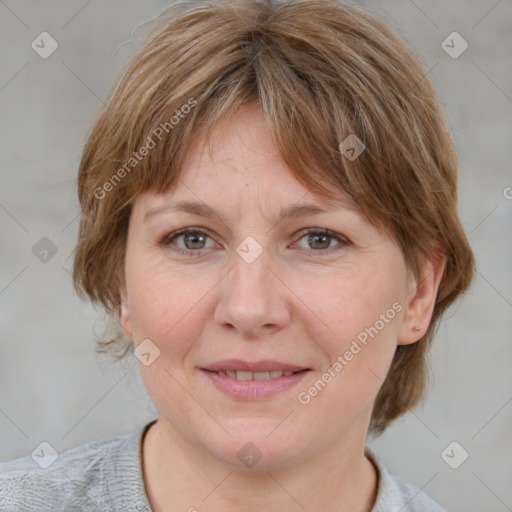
(256, 366)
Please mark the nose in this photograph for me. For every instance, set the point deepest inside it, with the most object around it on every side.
(253, 299)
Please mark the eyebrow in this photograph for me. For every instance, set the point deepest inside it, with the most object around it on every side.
(201, 209)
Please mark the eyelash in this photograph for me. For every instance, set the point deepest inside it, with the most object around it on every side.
(167, 239)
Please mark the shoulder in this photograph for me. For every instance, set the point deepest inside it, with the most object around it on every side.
(395, 494)
(98, 475)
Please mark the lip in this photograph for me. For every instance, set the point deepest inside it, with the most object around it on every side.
(266, 365)
(254, 389)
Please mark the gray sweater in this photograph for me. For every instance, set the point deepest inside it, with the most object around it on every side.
(106, 475)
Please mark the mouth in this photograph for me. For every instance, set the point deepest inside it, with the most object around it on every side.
(250, 381)
(244, 375)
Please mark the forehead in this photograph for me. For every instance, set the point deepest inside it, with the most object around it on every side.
(203, 209)
(238, 168)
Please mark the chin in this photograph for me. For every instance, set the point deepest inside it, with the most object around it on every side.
(260, 447)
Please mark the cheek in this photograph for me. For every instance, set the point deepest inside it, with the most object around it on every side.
(346, 304)
(165, 306)
(363, 314)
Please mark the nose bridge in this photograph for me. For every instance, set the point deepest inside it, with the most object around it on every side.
(251, 268)
(251, 299)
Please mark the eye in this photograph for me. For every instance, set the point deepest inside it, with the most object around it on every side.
(320, 240)
(194, 240)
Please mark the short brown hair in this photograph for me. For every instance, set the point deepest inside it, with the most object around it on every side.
(321, 70)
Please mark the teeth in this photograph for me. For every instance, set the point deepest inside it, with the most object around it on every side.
(244, 375)
(241, 375)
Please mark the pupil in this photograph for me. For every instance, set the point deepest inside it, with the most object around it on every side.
(313, 237)
(195, 236)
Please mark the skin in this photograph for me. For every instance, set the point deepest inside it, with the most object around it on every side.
(286, 305)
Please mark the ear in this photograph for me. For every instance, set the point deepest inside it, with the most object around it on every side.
(124, 313)
(420, 301)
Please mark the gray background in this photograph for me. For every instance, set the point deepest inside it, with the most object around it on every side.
(52, 385)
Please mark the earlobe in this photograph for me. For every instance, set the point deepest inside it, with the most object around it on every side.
(420, 302)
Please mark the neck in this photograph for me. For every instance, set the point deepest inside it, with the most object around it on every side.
(178, 476)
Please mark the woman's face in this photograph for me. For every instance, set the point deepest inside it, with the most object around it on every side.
(248, 287)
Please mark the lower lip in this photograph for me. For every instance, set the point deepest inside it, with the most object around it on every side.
(254, 389)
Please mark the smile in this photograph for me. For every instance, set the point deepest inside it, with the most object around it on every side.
(246, 385)
(243, 375)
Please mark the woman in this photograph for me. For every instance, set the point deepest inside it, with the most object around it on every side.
(269, 213)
